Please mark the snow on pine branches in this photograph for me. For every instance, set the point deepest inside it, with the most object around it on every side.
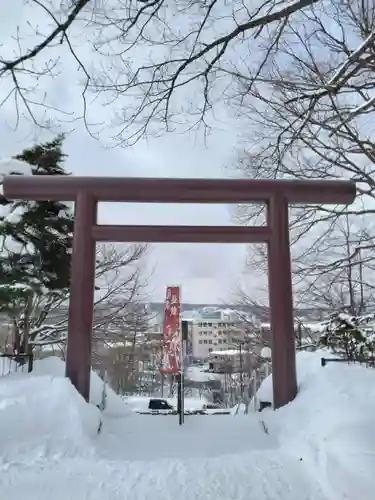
(35, 246)
(35, 237)
(351, 337)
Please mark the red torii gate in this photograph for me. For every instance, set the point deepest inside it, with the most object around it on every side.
(86, 192)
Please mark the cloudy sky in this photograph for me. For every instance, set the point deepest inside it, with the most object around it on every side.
(206, 273)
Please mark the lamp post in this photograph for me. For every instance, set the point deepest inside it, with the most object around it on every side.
(241, 372)
(266, 354)
(358, 253)
(239, 345)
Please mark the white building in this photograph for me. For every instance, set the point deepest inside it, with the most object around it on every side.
(210, 329)
(216, 329)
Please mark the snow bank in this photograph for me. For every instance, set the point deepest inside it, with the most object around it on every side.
(319, 447)
(53, 365)
(330, 425)
(44, 417)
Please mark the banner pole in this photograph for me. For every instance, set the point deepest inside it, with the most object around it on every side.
(181, 378)
(181, 374)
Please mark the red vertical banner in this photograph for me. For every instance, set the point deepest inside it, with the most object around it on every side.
(172, 345)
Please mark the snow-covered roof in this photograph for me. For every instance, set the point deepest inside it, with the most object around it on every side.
(188, 315)
(315, 327)
(229, 352)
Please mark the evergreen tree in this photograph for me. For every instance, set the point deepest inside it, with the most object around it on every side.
(351, 337)
(36, 240)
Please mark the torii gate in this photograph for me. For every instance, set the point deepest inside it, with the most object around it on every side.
(86, 192)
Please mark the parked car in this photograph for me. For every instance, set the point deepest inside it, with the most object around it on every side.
(160, 406)
(212, 406)
(157, 404)
(154, 406)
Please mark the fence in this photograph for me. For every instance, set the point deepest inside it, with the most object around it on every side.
(360, 360)
(13, 363)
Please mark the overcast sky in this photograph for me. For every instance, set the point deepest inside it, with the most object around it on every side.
(206, 273)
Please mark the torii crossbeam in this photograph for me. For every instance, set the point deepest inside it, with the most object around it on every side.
(86, 192)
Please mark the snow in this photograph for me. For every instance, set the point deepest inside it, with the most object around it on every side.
(266, 353)
(193, 441)
(54, 365)
(9, 166)
(50, 413)
(13, 212)
(336, 405)
(312, 327)
(260, 475)
(199, 374)
(320, 447)
(352, 336)
(354, 56)
(229, 352)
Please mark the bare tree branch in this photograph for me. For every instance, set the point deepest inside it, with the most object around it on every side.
(141, 55)
(310, 113)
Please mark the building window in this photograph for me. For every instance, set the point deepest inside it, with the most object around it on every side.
(210, 341)
(210, 349)
(200, 341)
(205, 341)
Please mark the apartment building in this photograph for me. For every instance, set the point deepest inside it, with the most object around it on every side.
(215, 330)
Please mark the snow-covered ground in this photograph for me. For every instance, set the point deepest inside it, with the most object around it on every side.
(320, 447)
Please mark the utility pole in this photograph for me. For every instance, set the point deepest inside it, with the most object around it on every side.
(241, 372)
(361, 296)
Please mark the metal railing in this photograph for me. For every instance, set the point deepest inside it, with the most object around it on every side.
(13, 363)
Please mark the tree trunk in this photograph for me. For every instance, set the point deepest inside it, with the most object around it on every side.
(26, 349)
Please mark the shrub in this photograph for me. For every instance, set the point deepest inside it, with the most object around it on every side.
(351, 337)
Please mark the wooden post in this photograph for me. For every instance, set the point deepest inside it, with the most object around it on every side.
(281, 304)
(78, 355)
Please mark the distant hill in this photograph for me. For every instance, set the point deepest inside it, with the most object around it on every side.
(261, 312)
